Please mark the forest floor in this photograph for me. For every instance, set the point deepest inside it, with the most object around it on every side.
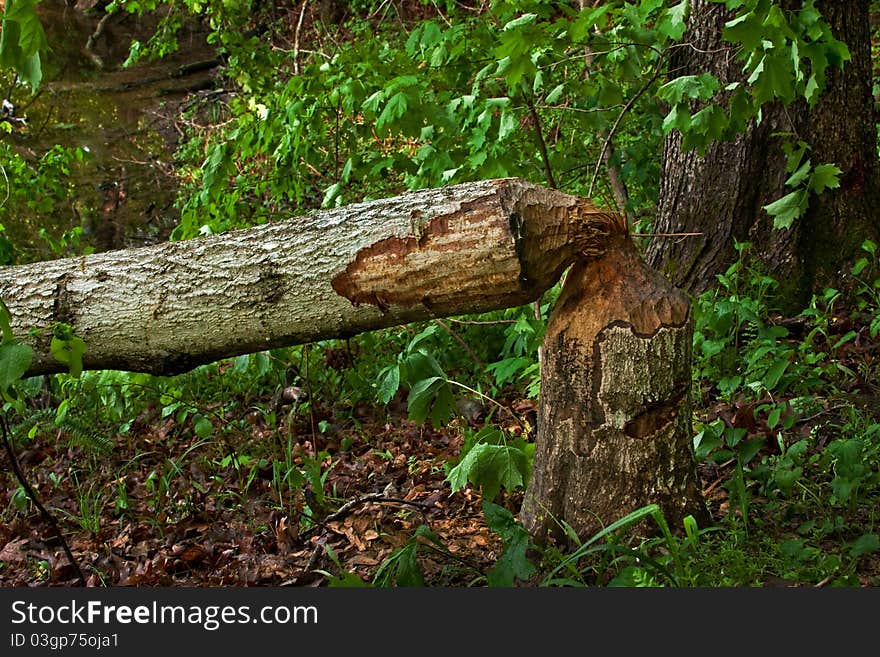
(207, 529)
(163, 507)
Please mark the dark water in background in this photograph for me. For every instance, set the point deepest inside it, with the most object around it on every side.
(123, 195)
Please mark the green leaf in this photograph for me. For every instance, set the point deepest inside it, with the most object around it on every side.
(554, 94)
(704, 443)
(711, 122)
(420, 397)
(22, 40)
(773, 416)
(513, 563)
(678, 118)
(701, 87)
(216, 169)
(825, 176)
(330, 194)
(346, 579)
(787, 477)
(747, 449)
(774, 373)
(203, 427)
(800, 175)
(431, 396)
(674, 22)
(785, 210)
(508, 368)
(389, 384)
(14, 362)
(506, 125)
(864, 544)
(393, 110)
(745, 29)
(727, 385)
(733, 435)
(525, 19)
(401, 568)
(6, 335)
(69, 351)
(772, 78)
(490, 467)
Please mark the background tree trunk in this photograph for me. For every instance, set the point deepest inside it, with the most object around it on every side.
(722, 193)
(614, 423)
(164, 309)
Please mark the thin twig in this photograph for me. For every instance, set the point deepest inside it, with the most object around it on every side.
(32, 495)
(90, 43)
(460, 341)
(824, 582)
(830, 409)
(542, 145)
(665, 234)
(584, 110)
(610, 136)
(483, 323)
(379, 498)
(302, 14)
(513, 413)
(314, 560)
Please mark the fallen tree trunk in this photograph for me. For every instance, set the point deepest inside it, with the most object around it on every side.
(614, 429)
(164, 309)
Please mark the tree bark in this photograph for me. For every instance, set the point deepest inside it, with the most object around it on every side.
(614, 423)
(614, 429)
(722, 193)
(164, 309)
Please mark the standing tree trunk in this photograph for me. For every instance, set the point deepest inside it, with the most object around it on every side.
(721, 194)
(614, 430)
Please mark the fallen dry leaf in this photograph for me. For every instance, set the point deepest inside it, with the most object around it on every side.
(14, 551)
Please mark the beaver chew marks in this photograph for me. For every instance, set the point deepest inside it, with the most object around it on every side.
(423, 268)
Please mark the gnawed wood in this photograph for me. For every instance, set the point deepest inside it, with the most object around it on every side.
(614, 429)
(164, 309)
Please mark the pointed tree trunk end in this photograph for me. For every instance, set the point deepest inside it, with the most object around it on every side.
(614, 428)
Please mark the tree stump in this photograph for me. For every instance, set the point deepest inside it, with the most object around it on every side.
(614, 421)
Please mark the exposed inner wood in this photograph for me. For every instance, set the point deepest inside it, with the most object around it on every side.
(614, 427)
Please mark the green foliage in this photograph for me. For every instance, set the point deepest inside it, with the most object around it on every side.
(785, 55)
(607, 556)
(67, 348)
(15, 358)
(490, 460)
(430, 391)
(775, 384)
(738, 348)
(414, 106)
(806, 179)
(527, 89)
(513, 566)
(90, 502)
(402, 568)
(23, 40)
(31, 215)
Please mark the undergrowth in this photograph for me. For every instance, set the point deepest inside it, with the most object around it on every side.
(786, 436)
